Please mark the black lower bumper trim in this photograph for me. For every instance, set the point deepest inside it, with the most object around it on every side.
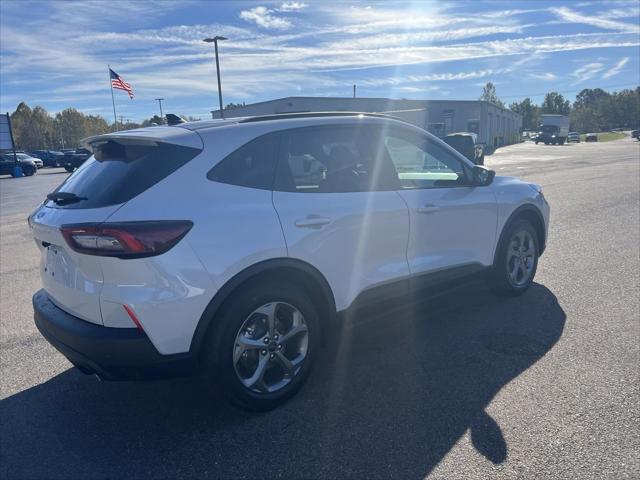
(111, 353)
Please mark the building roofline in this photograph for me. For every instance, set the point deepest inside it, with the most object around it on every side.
(301, 97)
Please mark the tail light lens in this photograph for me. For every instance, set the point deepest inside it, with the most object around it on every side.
(126, 239)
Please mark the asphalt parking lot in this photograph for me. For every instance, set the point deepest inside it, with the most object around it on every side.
(465, 385)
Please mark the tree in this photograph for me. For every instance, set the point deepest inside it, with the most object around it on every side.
(529, 111)
(231, 106)
(156, 119)
(554, 102)
(589, 97)
(489, 95)
(32, 129)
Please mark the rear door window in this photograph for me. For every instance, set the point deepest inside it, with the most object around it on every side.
(116, 173)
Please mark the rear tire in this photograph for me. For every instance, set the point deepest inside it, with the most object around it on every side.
(69, 169)
(244, 357)
(516, 260)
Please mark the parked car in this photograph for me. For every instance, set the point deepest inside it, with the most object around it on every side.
(74, 158)
(23, 156)
(635, 134)
(573, 137)
(51, 158)
(591, 137)
(467, 144)
(235, 246)
(7, 163)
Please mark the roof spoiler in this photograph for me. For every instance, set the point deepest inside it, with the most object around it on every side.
(149, 136)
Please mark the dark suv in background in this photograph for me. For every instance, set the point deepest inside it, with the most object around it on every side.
(50, 158)
(74, 158)
(467, 144)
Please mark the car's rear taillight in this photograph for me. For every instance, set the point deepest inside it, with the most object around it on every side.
(126, 239)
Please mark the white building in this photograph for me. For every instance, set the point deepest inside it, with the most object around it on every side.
(494, 125)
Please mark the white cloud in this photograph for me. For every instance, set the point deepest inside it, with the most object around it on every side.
(543, 76)
(412, 89)
(572, 16)
(263, 17)
(432, 35)
(587, 72)
(291, 6)
(617, 68)
(631, 11)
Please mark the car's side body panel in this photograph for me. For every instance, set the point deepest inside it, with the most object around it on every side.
(363, 242)
(450, 227)
(513, 194)
(234, 228)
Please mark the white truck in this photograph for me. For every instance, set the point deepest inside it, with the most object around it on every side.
(553, 129)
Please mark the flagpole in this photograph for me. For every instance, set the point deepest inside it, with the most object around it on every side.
(113, 102)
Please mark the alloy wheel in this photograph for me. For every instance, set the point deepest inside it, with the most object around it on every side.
(270, 347)
(521, 258)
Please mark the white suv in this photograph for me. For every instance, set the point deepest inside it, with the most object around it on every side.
(231, 246)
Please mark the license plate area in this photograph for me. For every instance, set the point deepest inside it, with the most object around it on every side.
(56, 265)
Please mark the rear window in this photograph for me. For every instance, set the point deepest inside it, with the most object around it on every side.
(116, 173)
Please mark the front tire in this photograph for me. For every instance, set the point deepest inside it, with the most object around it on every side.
(261, 348)
(69, 169)
(516, 260)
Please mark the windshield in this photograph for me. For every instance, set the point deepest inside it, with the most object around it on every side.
(548, 129)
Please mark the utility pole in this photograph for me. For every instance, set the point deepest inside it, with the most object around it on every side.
(60, 132)
(121, 121)
(354, 90)
(215, 43)
(160, 103)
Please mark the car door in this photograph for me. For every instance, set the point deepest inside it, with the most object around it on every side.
(340, 210)
(452, 223)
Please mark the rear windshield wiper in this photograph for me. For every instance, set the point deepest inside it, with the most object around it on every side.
(61, 198)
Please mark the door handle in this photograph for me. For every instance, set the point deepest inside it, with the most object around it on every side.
(312, 221)
(429, 208)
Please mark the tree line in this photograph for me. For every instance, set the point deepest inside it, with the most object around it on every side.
(594, 110)
(36, 129)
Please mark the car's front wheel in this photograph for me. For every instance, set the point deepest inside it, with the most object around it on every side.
(516, 260)
(262, 346)
(69, 168)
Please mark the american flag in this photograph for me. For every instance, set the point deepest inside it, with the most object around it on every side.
(119, 83)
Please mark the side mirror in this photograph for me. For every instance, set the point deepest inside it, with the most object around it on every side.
(482, 176)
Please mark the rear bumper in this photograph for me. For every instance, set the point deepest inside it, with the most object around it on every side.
(111, 353)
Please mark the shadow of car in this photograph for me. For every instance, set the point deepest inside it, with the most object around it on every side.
(398, 389)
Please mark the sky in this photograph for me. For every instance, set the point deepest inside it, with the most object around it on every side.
(55, 53)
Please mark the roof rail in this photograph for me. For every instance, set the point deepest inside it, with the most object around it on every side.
(285, 116)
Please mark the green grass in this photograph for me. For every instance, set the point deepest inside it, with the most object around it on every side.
(605, 136)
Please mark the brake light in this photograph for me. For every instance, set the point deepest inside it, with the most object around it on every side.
(126, 239)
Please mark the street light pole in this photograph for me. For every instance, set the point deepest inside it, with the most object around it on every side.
(160, 103)
(215, 43)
